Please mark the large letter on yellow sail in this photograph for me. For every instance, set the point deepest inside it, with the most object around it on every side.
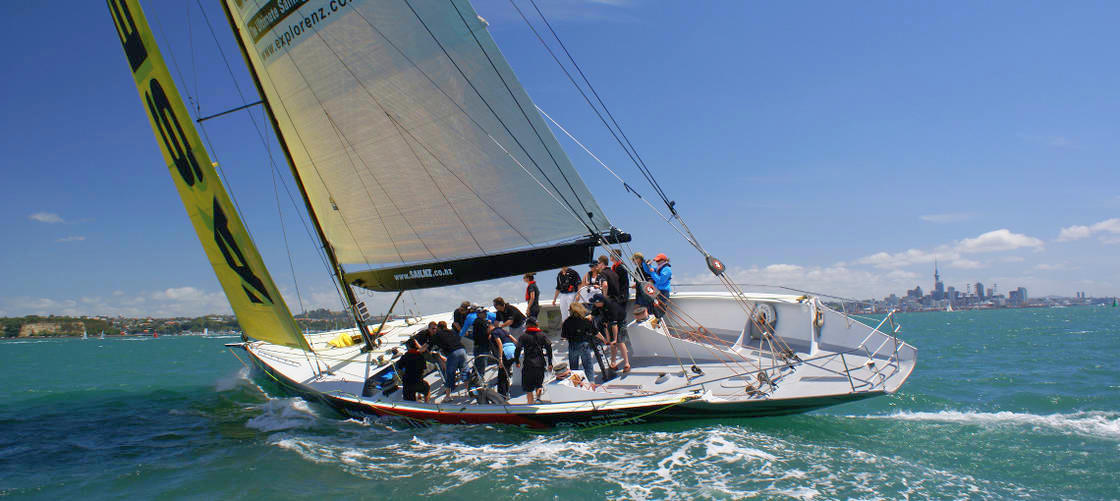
(257, 303)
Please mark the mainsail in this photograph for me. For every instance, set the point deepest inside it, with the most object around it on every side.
(256, 301)
(421, 156)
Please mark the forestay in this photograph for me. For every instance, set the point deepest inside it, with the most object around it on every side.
(413, 139)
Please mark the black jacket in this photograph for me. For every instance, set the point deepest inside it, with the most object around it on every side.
(576, 329)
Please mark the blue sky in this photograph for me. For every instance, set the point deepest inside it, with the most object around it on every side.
(839, 147)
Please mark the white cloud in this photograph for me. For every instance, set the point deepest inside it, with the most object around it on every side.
(997, 241)
(72, 238)
(46, 217)
(1052, 267)
(1077, 232)
(947, 218)
(1001, 240)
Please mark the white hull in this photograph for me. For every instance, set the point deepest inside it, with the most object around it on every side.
(841, 360)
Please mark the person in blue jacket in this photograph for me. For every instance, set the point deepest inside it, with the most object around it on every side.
(661, 273)
(468, 322)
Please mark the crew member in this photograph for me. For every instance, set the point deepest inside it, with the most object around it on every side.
(662, 274)
(459, 316)
(579, 333)
(567, 283)
(611, 316)
(538, 359)
(532, 296)
(504, 346)
(509, 317)
(413, 366)
(451, 346)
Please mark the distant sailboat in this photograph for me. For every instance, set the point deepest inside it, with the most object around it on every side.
(84, 334)
(949, 308)
(102, 335)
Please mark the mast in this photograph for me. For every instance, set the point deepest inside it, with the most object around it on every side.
(336, 268)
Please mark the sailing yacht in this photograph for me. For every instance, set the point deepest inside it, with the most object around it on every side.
(423, 163)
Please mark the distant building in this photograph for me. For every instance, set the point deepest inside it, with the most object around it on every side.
(915, 293)
(980, 291)
(938, 287)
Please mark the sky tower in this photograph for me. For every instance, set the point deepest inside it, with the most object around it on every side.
(938, 286)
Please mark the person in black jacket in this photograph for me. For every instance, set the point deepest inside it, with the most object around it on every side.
(532, 296)
(509, 317)
(611, 316)
(538, 360)
(623, 295)
(449, 344)
(579, 332)
(412, 367)
(567, 284)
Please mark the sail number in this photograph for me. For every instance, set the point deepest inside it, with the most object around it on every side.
(175, 144)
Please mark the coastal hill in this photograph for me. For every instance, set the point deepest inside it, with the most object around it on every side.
(65, 326)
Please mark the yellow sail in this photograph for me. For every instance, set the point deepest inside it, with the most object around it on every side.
(256, 301)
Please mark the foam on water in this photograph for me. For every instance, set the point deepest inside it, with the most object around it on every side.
(714, 462)
(283, 414)
(1095, 424)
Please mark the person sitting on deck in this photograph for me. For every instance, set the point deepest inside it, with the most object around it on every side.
(504, 346)
(459, 316)
(611, 316)
(413, 366)
(579, 332)
(538, 359)
(509, 317)
(567, 284)
(449, 343)
(594, 279)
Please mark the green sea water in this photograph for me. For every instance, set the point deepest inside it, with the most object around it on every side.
(1003, 404)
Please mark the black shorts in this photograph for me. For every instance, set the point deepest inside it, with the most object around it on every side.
(532, 378)
(411, 390)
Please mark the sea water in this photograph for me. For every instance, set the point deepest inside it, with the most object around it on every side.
(1003, 404)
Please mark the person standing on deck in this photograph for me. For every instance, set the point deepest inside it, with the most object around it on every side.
(412, 366)
(450, 344)
(579, 332)
(610, 316)
(594, 279)
(459, 316)
(468, 321)
(567, 283)
(610, 277)
(640, 297)
(509, 317)
(661, 274)
(538, 359)
(532, 296)
(480, 334)
(504, 346)
(622, 296)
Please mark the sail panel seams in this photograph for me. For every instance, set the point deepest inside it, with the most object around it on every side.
(428, 183)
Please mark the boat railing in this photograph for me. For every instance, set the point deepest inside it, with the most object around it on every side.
(878, 376)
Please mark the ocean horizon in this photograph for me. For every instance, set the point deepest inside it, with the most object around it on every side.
(1018, 403)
